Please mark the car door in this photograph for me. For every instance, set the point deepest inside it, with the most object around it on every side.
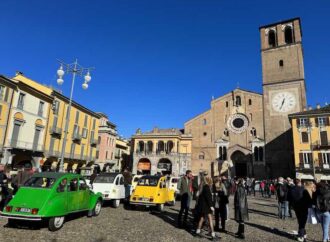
(62, 196)
(73, 195)
(83, 194)
(121, 187)
(162, 190)
(116, 188)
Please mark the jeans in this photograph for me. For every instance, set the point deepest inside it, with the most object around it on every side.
(325, 221)
(283, 209)
(221, 212)
(185, 204)
(301, 215)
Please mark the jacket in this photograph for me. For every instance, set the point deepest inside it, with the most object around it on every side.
(205, 200)
(240, 204)
(282, 192)
(185, 185)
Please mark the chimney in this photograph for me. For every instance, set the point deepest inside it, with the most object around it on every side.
(19, 73)
(318, 106)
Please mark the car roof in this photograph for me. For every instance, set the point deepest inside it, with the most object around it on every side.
(55, 175)
(109, 174)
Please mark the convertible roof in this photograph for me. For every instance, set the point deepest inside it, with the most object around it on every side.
(55, 175)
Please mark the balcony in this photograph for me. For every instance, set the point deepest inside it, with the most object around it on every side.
(55, 130)
(76, 137)
(93, 142)
(18, 144)
(321, 145)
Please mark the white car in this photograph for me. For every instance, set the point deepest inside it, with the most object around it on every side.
(111, 185)
(174, 182)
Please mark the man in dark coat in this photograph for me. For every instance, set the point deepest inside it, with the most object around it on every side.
(282, 196)
(241, 208)
(186, 193)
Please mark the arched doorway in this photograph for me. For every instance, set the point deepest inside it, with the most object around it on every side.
(240, 164)
(164, 166)
(144, 166)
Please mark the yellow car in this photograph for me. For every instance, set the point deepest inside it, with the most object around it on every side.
(152, 191)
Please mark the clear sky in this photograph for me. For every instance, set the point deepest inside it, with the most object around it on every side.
(158, 62)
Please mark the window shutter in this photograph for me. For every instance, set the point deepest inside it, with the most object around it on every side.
(301, 159)
(320, 159)
(327, 121)
(310, 158)
(317, 122)
(297, 122)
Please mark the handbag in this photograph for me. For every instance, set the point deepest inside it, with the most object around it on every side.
(312, 217)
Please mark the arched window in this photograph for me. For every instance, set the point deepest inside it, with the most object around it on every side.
(226, 132)
(161, 146)
(288, 35)
(256, 153)
(141, 146)
(261, 153)
(272, 38)
(222, 153)
(253, 132)
(238, 101)
(201, 156)
(150, 146)
(250, 102)
(204, 121)
(170, 146)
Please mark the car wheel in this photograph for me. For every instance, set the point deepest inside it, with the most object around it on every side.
(55, 223)
(97, 208)
(160, 207)
(116, 203)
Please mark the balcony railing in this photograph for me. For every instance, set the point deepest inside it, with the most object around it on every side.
(161, 153)
(76, 136)
(321, 145)
(18, 144)
(55, 130)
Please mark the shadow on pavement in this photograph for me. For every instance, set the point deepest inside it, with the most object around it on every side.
(266, 205)
(267, 214)
(272, 230)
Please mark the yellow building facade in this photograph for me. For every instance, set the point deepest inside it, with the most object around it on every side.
(162, 151)
(82, 134)
(310, 130)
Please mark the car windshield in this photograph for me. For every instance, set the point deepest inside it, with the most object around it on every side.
(148, 181)
(105, 179)
(40, 182)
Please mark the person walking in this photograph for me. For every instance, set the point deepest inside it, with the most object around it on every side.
(241, 208)
(220, 204)
(305, 203)
(290, 186)
(282, 196)
(295, 197)
(323, 207)
(206, 206)
(186, 193)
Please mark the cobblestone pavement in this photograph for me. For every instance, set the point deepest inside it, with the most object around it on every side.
(142, 225)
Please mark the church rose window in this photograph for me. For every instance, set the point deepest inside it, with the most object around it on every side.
(237, 123)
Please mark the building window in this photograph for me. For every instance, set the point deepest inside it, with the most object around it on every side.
(272, 38)
(85, 121)
(304, 137)
(303, 122)
(41, 108)
(253, 132)
(56, 106)
(258, 153)
(321, 121)
(250, 102)
(324, 138)
(281, 63)
(204, 121)
(2, 91)
(94, 123)
(238, 101)
(227, 104)
(305, 159)
(226, 132)
(325, 156)
(288, 35)
(204, 133)
(106, 155)
(222, 153)
(201, 156)
(77, 117)
(20, 103)
(84, 133)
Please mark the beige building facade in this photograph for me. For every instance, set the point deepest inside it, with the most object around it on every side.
(161, 151)
(232, 130)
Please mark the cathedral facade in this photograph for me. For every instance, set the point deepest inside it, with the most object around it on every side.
(250, 132)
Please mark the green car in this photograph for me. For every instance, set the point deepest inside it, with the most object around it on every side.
(51, 196)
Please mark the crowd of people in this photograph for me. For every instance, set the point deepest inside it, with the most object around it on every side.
(310, 201)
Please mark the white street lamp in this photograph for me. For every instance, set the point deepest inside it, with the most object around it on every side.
(75, 69)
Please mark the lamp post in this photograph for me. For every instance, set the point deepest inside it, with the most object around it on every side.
(75, 69)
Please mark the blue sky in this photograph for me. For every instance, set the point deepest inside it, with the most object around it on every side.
(158, 63)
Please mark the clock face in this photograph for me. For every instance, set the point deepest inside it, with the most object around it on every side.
(284, 102)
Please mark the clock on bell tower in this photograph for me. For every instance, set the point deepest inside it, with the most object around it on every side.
(283, 91)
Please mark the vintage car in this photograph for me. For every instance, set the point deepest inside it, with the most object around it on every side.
(174, 182)
(50, 196)
(111, 186)
(152, 191)
(135, 180)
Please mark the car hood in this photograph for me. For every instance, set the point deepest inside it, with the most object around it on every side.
(30, 197)
(102, 187)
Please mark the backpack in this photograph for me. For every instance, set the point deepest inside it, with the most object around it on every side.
(323, 200)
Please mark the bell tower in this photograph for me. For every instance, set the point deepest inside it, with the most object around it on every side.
(284, 91)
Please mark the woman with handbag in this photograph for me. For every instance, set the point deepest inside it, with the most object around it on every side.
(305, 207)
